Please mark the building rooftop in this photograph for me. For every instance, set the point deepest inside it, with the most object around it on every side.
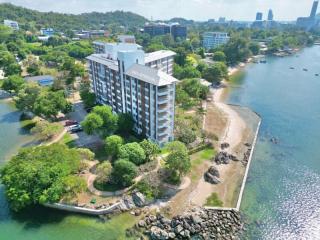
(150, 75)
(103, 59)
(43, 80)
(153, 56)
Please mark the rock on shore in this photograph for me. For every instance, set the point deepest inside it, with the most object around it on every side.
(224, 158)
(199, 222)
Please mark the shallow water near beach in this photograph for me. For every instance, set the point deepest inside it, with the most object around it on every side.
(281, 198)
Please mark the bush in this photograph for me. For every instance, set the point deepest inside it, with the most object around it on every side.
(45, 130)
(86, 154)
(214, 201)
(150, 149)
(133, 152)
(113, 144)
(104, 171)
(151, 192)
(124, 172)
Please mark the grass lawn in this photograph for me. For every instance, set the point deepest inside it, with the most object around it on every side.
(214, 201)
(109, 187)
(68, 140)
(197, 159)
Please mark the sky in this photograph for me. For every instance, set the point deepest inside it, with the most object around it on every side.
(190, 9)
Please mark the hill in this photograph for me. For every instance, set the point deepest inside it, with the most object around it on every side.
(31, 19)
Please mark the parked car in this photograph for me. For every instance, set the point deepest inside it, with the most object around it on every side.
(75, 128)
(70, 123)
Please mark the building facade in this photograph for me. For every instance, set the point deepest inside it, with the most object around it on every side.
(178, 31)
(214, 39)
(310, 22)
(12, 24)
(132, 82)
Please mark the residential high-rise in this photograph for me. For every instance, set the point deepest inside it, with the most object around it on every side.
(310, 22)
(314, 9)
(130, 81)
(270, 15)
(178, 31)
(214, 39)
(156, 29)
(259, 16)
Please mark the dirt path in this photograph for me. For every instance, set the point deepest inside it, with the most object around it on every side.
(224, 122)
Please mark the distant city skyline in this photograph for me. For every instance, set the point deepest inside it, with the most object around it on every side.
(200, 10)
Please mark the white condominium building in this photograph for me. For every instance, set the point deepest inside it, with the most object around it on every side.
(214, 39)
(130, 81)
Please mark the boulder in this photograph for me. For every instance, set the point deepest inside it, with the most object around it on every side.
(158, 234)
(210, 178)
(141, 223)
(214, 171)
(139, 199)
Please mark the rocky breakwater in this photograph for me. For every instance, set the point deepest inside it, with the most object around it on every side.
(199, 222)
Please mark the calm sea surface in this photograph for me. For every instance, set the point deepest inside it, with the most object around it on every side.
(282, 196)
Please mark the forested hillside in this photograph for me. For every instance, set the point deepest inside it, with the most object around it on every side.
(33, 20)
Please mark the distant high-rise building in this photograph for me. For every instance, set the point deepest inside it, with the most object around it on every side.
(156, 29)
(222, 20)
(259, 16)
(309, 22)
(178, 31)
(270, 15)
(314, 9)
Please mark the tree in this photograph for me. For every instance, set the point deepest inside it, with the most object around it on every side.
(27, 97)
(125, 123)
(187, 71)
(178, 161)
(103, 172)
(110, 120)
(216, 72)
(124, 172)
(45, 130)
(33, 69)
(194, 88)
(13, 83)
(12, 69)
(133, 152)
(113, 144)
(48, 104)
(92, 123)
(254, 48)
(237, 50)
(186, 135)
(150, 149)
(41, 174)
(88, 98)
(86, 154)
(219, 56)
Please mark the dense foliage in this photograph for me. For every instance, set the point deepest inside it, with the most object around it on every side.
(45, 130)
(133, 152)
(41, 174)
(124, 172)
(31, 20)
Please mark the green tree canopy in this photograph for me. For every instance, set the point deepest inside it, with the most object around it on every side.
(124, 172)
(48, 104)
(125, 124)
(178, 161)
(133, 152)
(92, 123)
(113, 144)
(103, 172)
(13, 83)
(151, 149)
(45, 130)
(41, 174)
(27, 97)
(216, 72)
(219, 56)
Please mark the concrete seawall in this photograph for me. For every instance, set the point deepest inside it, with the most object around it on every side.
(75, 209)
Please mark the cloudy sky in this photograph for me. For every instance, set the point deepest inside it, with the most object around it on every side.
(166, 9)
